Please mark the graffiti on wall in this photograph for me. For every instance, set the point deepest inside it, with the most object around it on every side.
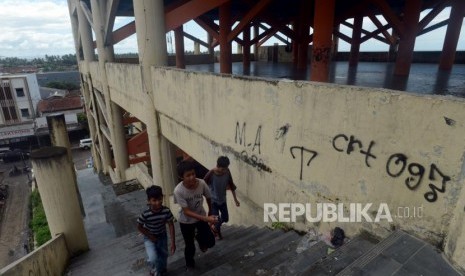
(342, 143)
(251, 151)
(398, 165)
(305, 154)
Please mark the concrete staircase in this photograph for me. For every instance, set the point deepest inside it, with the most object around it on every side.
(116, 249)
(262, 251)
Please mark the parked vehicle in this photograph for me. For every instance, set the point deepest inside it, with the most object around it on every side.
(3, 151)
(85, 143)
(15, 155)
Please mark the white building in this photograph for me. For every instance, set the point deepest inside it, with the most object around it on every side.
(19, 95)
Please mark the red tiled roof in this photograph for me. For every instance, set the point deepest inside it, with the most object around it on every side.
(59, 104)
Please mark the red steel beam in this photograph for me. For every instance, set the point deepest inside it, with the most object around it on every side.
(431, 15)
(390, 16)
(208, 26)
(190, 10)
(380, 26)
(139, 159)
(130, 120)
(139, 143)
(259, 7)
(123, 32)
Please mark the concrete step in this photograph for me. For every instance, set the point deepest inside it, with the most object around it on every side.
(262, 251)
(301, 261)
(401, 254)
(226, 264)
(217, 254)
(341, 257)
(266, 252)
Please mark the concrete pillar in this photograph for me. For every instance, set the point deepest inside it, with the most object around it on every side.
(179, 42)
(93, 129)
(114, 112)
(58, 132)
(85, 33)
(407, 41)
(246, 50)
(196, 48)
(54, 177)
(151, 43)
(59, 138)
(322, 35)
(356, 36)
(452, 35)
(225, 45)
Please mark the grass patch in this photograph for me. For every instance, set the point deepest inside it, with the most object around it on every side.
(38, 224)
(281, 225)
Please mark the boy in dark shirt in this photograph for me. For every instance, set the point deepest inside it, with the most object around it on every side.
(152, 224)
(219, 180)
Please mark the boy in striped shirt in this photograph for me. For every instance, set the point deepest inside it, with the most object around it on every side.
(152, 224)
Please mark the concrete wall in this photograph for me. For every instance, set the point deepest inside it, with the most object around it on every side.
(49, 259)
(126, 89)
(301, 142)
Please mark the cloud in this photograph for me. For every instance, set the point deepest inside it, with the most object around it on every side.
(35, 28)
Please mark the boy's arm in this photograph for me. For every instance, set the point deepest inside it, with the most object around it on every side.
(207, 177)
(192, 214)
(209, 204)
(232, 186)
(172, 235)
(145, 232)
(235, 198)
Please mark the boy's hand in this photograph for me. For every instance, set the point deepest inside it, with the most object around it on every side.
(173, 249)
(238, 203)
(212, 219)
(152, 237)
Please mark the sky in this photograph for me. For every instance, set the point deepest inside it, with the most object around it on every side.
(35, 28)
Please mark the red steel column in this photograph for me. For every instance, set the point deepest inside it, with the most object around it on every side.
(452, 35)
(302, 46)
(256, 48)
(246, 48)
(355, 45)
(394, 47)
(303, 24)
(179, 42)
(295, 48)
(225, 45)
(322, 36)
(407, 40)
